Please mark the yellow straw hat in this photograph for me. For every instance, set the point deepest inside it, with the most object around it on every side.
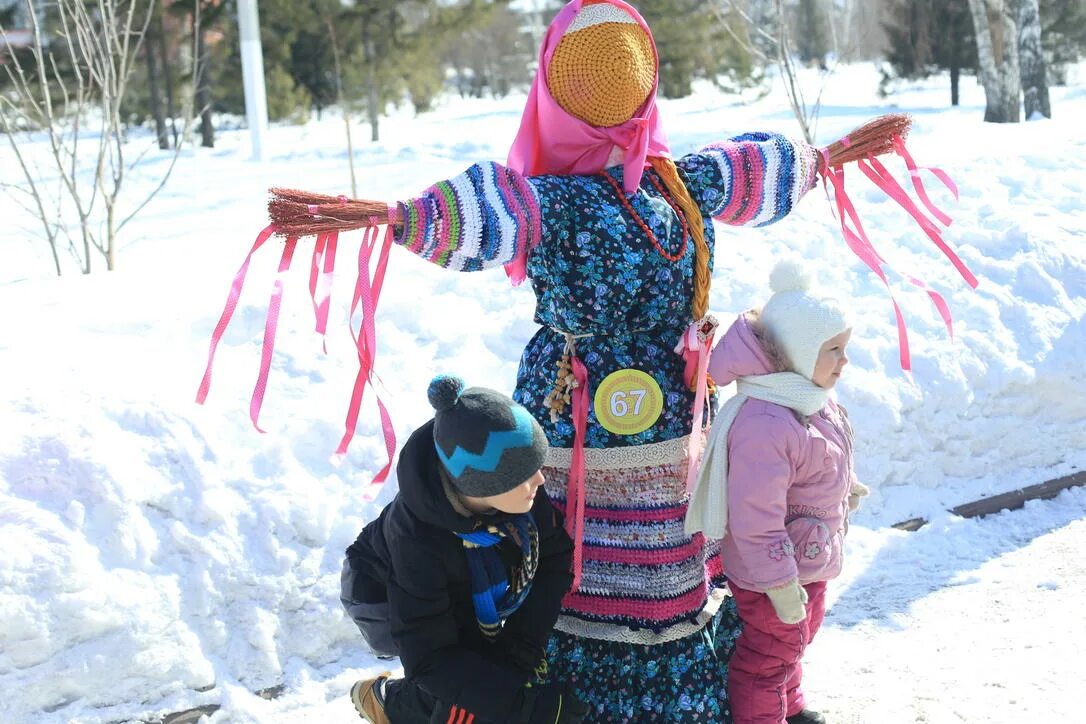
(604, 67)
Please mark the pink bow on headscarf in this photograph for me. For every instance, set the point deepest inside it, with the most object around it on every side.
(551, 141)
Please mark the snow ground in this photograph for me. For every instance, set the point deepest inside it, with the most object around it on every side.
(158, 555)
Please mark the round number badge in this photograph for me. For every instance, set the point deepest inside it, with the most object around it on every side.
(628, 402)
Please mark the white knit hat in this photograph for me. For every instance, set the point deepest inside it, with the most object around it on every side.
(798, 318)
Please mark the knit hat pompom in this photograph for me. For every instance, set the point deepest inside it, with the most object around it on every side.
(444, 392)
(800, 317)
(486, 442)
(789, 275)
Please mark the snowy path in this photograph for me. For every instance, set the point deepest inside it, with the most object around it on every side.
(962, 640)
(998, 641)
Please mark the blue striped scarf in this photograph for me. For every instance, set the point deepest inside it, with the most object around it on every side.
(494, 596)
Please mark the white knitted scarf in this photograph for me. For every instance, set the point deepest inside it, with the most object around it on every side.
(708, 511)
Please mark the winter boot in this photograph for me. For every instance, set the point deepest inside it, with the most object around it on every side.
(806, 717)
(368, 697)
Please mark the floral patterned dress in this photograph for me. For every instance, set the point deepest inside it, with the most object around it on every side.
(640, 637)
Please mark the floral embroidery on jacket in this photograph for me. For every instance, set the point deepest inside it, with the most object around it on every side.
(781, 550)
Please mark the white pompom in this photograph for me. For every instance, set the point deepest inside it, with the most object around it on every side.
(789, 275)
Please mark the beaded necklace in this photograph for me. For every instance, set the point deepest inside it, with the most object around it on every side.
(670, 256)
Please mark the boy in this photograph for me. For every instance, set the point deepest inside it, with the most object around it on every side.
(463, 573)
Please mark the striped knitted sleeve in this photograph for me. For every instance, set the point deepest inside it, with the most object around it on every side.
(480, 219)
(750, 180)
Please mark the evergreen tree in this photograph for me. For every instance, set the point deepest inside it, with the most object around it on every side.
(1063, 36)
(764, 25)
(926, 36)
(492, 54)
(908, 27)
(153, 45)
(692, 43)
(813, 36)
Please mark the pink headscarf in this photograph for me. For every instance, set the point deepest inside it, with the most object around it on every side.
(551, 141)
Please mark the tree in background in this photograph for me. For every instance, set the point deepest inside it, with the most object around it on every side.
(812, 32)
(954, 46)
(768, 27)
(926, 36)
(739, 67)
(692, 42)
(183, 37)
(62, 109)
(762, 22)
(400, 47)
(282, 22)
(1063, 36)
(909, 26)
(204, 19)
(317, 36)
(479, 46)
(492, 55)
(996, 28)
(156, 82)
(1031, 61)
(860, 32)
(385, 45)
(153, 50)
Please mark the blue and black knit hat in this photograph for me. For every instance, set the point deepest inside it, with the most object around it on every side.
(486, 442)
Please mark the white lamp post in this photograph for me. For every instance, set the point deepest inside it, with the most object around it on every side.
(252, 73)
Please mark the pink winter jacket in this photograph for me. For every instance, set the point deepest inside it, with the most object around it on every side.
(788, 482)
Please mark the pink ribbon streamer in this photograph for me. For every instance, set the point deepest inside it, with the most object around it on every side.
(876, 175)
(228, 312)
(320, 282)
(861, 245)
(914, 172)
(575, 488)
(885, 181)
(696, 353)
(271, 323)
(367, 293)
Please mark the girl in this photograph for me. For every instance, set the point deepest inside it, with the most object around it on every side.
(777, 483)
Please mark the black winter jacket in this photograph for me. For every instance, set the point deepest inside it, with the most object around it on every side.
(411, 555)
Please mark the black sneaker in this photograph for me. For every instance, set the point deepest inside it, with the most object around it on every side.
(806, 717)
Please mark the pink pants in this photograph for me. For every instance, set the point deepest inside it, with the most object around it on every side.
(764, 672)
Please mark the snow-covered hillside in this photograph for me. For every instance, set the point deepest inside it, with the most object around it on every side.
(158, 555)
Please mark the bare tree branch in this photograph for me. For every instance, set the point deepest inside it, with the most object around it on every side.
(77, 110)
(722, 9)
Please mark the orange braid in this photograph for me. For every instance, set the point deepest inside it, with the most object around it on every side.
(665, 167)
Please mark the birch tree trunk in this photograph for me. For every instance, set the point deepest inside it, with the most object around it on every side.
(997, 52)
(1032, 60)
